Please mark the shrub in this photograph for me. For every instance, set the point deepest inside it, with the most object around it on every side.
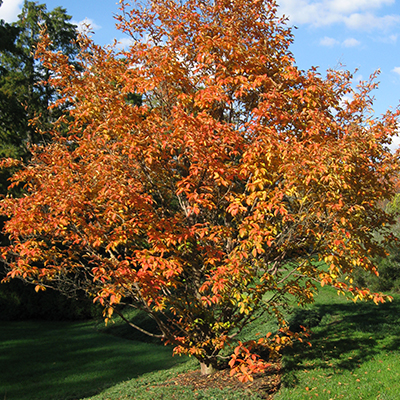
(389, 273)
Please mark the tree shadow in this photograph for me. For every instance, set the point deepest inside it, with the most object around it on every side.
(346, 336)
(42, 360)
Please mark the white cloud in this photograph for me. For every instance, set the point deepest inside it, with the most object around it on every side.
(345, 100)
(391, 39)
(395, 143)
(351, 42)
(358, 78)
(124, 43)
(86, 25)
(328, 42)
(349, 6)
(370, 21)
(10, 9)
(396, 70)
(300, 11)
(355, 14)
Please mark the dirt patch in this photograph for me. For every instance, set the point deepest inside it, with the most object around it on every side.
(265, 384)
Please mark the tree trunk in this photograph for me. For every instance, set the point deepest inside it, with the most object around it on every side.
(207, 369)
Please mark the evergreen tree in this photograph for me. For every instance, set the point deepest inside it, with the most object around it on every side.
(23, 95)
(8, 111)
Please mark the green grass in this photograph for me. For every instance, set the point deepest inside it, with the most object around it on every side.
(355, 353)
(62, 361)
(152, 387)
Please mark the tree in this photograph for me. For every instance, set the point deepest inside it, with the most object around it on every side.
(388, 279)
(236, 187)
(24, 95)
(8, 34)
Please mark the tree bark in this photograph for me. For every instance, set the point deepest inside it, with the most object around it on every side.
(207, 369)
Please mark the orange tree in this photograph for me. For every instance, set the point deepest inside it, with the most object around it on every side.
(238, 185)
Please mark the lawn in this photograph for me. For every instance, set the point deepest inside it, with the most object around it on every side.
(355, 354)
(64, 360)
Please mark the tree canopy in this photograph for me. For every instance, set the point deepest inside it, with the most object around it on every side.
(24, 95)
(239, 185)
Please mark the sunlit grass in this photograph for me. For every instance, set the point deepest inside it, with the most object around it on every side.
(354, 355)
(152, 387)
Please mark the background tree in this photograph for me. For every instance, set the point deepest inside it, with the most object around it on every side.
(8, 35)
(238, 185)
(23, 93)
(8, 144)
(388, 279)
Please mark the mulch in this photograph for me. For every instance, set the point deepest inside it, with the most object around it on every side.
(265, 384)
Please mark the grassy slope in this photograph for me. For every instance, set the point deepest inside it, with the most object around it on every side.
(354, 355)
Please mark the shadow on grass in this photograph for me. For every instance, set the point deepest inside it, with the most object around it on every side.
(43, 360)
(347, 336)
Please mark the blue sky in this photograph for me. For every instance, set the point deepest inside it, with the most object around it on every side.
(361, 35)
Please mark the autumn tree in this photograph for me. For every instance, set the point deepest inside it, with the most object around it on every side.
(238, 186)
(24, 94)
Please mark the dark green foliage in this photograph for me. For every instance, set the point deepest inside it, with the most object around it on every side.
(8, 34)
(134, 99)
(389, 273)
(23, 93)
(19, 301)
(11, 124)
(388, 267)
